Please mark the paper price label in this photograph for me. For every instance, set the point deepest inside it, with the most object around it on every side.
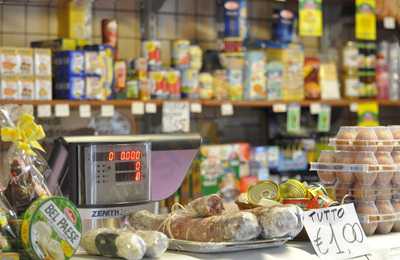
(62, 110)
(44, 111)
(389, 22)
(227, 109)
(151, 108)
(279, 108)
(315, 108)
(195, 108)
(353, 107)
(107, 110)
(293, 118)
(336, 232)
(27, 109)
(85, 111)
(137, 108)
(176, 117)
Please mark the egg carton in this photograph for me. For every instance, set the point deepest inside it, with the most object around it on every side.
(364, 194)
(378, 218)
(364, 145)
(351, 168)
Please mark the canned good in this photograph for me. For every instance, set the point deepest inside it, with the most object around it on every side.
(152, 53)
(181, 54)
(190, 84)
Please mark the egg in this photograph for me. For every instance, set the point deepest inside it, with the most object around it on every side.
(366, 139)
(366, 178)
(363, 209)
(395, 129)
(361, 192)
(327, 177)
(385, 138)
(344, 177)
(341, 190)
(344, 138)
(385, 175)
(396, 206)
(396, 175)
(384, 207)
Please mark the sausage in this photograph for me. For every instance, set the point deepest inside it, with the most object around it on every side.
(206, 206)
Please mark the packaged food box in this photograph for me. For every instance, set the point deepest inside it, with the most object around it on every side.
(220, 85)
(235, 19)
(27, 87)
(9, 61)
(43, 88)
(311, 78)
(351, 138)
(181, 54)
(254, 75)
(42, 61)
(94, 87)
(10, 87)
(62, 44)
(158, 84)
(274, 78)
(72, 88)
(92, 63)
(26, 61)
(190, 84)
(68, 63)
(173, 82)
(75, 19)
(235, 79)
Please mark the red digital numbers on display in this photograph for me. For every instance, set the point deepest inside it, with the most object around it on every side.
(125, 155)
(138, 176)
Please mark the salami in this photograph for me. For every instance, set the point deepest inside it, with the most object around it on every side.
(156, 242)
(240, 226)
(206, 206)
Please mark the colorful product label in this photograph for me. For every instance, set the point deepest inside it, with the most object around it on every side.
(310, 15)
(235, 17)
(365, 20)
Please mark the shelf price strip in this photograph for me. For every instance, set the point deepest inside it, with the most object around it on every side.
(336, 232)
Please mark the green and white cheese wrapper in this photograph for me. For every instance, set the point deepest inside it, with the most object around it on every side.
(51, 229)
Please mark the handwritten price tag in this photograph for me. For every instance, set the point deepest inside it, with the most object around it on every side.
(336, 232)
(176, 117)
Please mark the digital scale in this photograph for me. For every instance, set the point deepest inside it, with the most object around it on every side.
(108, 177)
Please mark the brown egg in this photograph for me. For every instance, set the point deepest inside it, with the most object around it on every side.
(344, 177)
(385, 138)
(396, 175)
(344, 138)
(396, 206)
(366, 139)
(327, 177)
(385, 175)
(369, 177)
(341, 190)
(384, 207)
(361, 192)
(365, 208)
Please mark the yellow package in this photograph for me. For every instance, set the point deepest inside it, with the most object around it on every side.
(75, 19)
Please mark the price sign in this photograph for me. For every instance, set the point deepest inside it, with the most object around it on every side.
(150, 108)
(85, 111)
(227, 109)
(195, 108)
(44, 111)
(279, 108)
(137, 108)
(176, 117)
(107, 110)
(336, 232)
(62, 110)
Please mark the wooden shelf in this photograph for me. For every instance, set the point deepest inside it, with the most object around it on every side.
(207, 103)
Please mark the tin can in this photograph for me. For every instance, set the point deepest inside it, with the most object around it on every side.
(141, 68)
(263, 190)
(235, 18)
(173, 82)
(190, 84)
(152, 53)
(206, 85)
(158, 84)
(196, 57)
(180, 54)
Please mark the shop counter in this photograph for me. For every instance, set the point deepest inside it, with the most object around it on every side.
(383, 247)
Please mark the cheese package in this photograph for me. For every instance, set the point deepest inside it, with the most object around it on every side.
(9, 87)
(9, 61)
(42, 61)
(26, 87)
(26, 61)
(254, 75)
(51, 229)
(94, 88)
(70, 88)
(43, 88)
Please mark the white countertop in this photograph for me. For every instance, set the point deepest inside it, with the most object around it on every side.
(383, 247)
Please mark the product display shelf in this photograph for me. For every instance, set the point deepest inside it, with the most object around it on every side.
(207, 103)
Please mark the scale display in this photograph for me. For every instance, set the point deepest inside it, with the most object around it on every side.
(121, 171)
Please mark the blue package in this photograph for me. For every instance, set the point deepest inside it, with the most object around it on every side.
(235, 18)
(282, 26)
(68, 63)
(72, 88)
